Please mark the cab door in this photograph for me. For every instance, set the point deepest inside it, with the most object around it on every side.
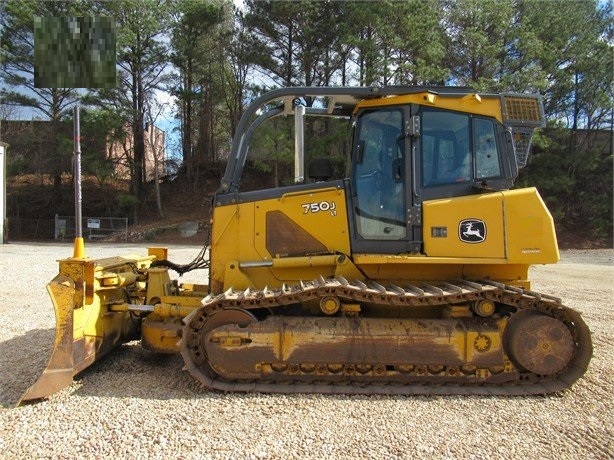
(380, 195)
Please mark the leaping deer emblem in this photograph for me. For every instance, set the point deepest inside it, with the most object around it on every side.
(472, 231)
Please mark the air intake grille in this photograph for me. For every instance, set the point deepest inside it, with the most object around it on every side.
(523, 110)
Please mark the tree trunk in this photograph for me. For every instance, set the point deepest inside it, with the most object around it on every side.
(56, 154)
(188, 159)
(138, 140)
(155, 152)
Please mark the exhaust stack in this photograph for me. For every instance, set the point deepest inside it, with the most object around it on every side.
(299, 144)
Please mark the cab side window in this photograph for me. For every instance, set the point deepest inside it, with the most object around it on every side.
(446, 157)
(457, 148)
(485, 148)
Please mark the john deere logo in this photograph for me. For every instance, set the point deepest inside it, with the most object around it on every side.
(472, 230)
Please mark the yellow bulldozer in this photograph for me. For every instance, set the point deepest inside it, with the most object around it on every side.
(408, 275)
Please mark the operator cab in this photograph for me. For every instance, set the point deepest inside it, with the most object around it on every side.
(409, 145)
(404, 154)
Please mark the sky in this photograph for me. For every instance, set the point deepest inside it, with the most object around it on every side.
(169, 124)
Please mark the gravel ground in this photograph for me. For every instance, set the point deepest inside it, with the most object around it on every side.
(134, 405)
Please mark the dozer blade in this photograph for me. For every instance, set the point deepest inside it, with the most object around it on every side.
(92, 318)
(59, 371)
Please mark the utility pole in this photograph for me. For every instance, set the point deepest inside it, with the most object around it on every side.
(79, 247)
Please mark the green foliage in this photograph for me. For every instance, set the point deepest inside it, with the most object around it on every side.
(272, 150)
(18, 69)
(222, 57)
(573, 172)
(126, 201)
(571, 48)
(18, 74)
(311, 43)
(100, 128)
(17, 165)
(200, 36)
(141, 60)
(477, 31)
(328, 138)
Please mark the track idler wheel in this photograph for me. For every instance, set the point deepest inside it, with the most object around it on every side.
(538, 343)
(194, 342)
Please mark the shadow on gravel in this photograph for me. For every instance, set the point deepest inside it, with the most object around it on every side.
(22, 361)
(133, 372)
(128, 372)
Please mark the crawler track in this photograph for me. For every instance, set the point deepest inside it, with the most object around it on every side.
(512, 379)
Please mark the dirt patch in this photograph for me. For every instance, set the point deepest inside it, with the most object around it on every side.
(573, 238)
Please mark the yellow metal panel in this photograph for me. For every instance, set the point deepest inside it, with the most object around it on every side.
(157, 284)
(388, 259)
(487, 105)
(445, 235)
(161, 334)
(161, 253)
(232, 234)
(519, 232)
(321, 213)
(400, 268)
(239, 235)
(531, 237)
